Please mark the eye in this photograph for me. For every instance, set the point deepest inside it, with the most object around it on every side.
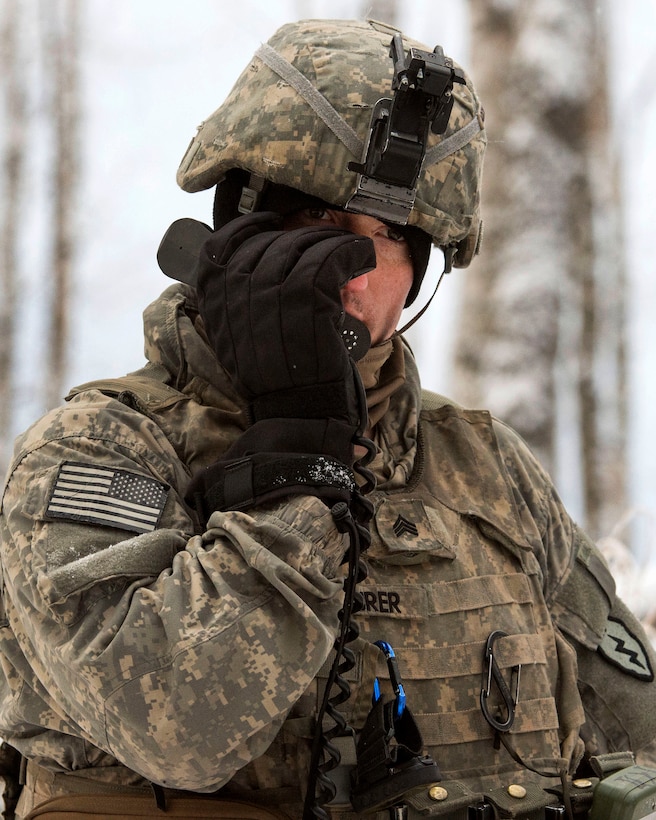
(307, 217)
(319, 214)
(394, 234)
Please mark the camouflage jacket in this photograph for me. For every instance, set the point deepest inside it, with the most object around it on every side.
(135, 646)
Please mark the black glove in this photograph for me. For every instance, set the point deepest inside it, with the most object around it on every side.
(270, 302)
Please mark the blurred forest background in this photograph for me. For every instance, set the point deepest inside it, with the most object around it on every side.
(551, 328)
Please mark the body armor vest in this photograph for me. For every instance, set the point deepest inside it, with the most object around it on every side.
(444, 574)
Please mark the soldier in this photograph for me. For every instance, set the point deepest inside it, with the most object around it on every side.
(187, 620)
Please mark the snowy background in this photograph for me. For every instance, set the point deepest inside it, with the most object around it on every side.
(153, 69)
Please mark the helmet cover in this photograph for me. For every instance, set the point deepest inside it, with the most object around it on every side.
(269, 128)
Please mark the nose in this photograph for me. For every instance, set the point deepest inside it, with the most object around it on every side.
(357, 284)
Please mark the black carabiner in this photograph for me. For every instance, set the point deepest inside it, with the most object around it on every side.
(492, 672)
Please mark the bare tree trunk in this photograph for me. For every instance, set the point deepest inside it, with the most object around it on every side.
(604, 416)
(62, 46)
(14, 116)
(538, 314)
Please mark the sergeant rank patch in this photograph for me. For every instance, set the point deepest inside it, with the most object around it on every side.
(102, 495)
(622, 648)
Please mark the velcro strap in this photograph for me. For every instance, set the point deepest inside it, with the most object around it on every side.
(603, 765)
(242, 483)
(248, 479)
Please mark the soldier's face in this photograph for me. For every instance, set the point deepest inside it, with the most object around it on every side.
(377, 297)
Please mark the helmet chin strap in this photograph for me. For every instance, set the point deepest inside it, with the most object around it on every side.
(449, 253)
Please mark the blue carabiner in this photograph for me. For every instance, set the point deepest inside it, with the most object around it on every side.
(395, 679)
(492, 672)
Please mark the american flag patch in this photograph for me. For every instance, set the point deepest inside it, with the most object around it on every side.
(102, 495)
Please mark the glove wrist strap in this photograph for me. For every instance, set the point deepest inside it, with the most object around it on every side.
(239, 484)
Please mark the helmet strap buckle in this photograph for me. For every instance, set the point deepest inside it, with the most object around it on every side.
(251, 194)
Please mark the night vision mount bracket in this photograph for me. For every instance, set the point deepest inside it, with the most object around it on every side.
(422, 100)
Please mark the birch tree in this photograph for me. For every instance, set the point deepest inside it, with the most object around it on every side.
(39, 105)
(541, 340)
(61, 23)
(13, 119)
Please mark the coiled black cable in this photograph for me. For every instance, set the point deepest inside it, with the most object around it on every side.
(352, 519)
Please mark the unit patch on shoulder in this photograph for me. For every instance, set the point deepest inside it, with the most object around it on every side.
(102, 495)
(623, 649)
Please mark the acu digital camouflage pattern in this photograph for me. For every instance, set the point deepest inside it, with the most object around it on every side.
(198, 660)
(265, 126)
(113, 650)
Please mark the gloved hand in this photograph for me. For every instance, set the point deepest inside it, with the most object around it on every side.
(270, 302)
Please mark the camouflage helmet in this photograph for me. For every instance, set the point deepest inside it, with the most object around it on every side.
(275, 124)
